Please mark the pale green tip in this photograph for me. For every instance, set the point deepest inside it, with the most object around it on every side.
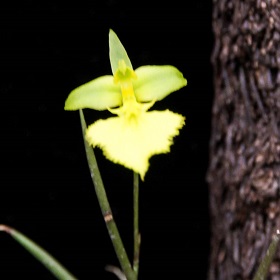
(117, 52)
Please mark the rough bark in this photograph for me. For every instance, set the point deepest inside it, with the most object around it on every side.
(244, 171)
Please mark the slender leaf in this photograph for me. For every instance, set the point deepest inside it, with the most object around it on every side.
(40, 254)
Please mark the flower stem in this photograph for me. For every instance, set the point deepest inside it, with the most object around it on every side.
(105, 207)
(137, 239)
(267, 260)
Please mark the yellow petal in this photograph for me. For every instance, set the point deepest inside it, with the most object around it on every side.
(132, 143)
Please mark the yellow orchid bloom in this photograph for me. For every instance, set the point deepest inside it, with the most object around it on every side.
(135, 134)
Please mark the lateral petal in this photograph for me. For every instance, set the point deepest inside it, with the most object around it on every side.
(156, 82)
(98, 94)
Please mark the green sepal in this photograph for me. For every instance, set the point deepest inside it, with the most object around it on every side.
(156, 82)
(117, 52)
(98, 94)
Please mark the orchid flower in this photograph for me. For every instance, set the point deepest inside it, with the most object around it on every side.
(135, 134)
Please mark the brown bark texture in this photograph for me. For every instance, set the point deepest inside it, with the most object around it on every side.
(244, 169)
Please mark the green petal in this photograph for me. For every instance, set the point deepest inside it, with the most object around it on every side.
(156, 82)
(98, 94)
(117, 52)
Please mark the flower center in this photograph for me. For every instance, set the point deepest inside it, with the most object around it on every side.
(124, 76)
(131, 109)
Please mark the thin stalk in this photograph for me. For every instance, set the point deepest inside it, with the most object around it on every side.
(105, 207)
(136, 222)
(263, 269)
(53, 265)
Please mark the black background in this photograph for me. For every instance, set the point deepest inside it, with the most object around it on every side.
(46, 50)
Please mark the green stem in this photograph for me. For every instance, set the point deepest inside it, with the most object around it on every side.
(54, 266)
(105, 207)
(136, 222)
(267, 260)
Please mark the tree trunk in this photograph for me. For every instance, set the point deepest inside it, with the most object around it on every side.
(244, 171)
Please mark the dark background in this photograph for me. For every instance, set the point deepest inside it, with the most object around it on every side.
(46, 50)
